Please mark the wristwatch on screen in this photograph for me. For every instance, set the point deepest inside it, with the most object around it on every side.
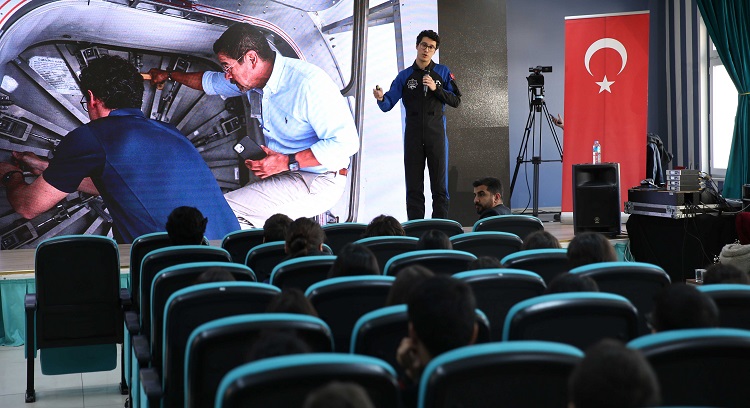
(293, 163)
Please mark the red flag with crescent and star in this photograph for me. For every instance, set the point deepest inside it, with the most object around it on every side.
(606, 95)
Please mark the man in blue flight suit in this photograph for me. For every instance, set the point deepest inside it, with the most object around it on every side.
(424, 88)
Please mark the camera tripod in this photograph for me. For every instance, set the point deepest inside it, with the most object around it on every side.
(533, 133)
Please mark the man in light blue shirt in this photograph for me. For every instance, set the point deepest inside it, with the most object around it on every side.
(308, 126)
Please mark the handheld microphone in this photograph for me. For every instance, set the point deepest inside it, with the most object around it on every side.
(427, 72)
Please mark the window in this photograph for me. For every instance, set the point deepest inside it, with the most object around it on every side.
(722, 110)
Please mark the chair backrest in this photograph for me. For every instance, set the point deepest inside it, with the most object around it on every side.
(547, 263)
(340, 302)
(302, 272)
(287, 380)
(77, 281)
(264, 257)
(181, 276)
(638, 282)
(378, 333)
(138, 250)
(521, 225)
(733, 301)
(440, 261)
(487, 243)
(579, 319)
(160, 259)
(190, 307)
(340, 234)
(216, 347)
(507, 374)
(700, 367)
(415, 228)
(239, 243)
(497, 290)
(386, 248)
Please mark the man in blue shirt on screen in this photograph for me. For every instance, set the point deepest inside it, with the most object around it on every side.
(306, 122)
(142, 168)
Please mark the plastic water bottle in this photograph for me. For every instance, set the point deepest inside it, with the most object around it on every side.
(597, 152)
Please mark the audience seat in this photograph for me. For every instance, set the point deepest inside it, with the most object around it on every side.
(440, 261)
(511, 374)
(386, 248)
(488, 243)
(521, 225)
(340, 234)
(733, 301)
(216, 347)
(302, 272)
(638, 282)
(579, 319)
(340, 302)
(415, 228)
(287, 380)
(378, 333)
(75, 318)
(264, 257)
(497, 290)
(239, 243)
(185, 310)
(547, 263)
(700, 367)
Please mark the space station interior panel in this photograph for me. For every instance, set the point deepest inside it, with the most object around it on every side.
(40, 100)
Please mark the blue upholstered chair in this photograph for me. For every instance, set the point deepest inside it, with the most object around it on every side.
(287, 380)
(497, 290)
(440, 261)
(302, 272)
(239, 243)
(415, 228)
(521, 225)
(700, 367)
(487, 243)
(340, 234)
(264, 257)
(512, 374)
(579, 319)
(733, 301)
(547, 263)
(386, 248)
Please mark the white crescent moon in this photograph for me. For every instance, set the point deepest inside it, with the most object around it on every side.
(606, 43)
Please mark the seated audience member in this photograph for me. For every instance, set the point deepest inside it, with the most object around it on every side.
(304, 237)
(488, 197)
(339, 395)
(215, 274)
(275, 228)
(484, 262)
(353, 260)
(720, 273)
(186, 226)
(291, 300)
(441, 318)
(434, 239)
(570, 282)
(680, 306)
(737, 255)
(540, 240)
(613, 376)
(275, 343)
(406, 280)
(590, 247)
(382, 226)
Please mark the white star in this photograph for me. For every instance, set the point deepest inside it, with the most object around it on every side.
(604, 85)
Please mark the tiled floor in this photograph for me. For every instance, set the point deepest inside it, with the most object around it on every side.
(59, 391)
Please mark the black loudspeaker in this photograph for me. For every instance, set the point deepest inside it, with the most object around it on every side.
(596, 198)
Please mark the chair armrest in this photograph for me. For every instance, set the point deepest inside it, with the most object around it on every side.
(125, 301)
(151, 383)
(142, 350)
(132, 323)
(29, 302)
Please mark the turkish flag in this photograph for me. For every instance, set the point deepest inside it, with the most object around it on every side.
(606, 96)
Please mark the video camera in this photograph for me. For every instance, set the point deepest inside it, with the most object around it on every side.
(536, 79)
